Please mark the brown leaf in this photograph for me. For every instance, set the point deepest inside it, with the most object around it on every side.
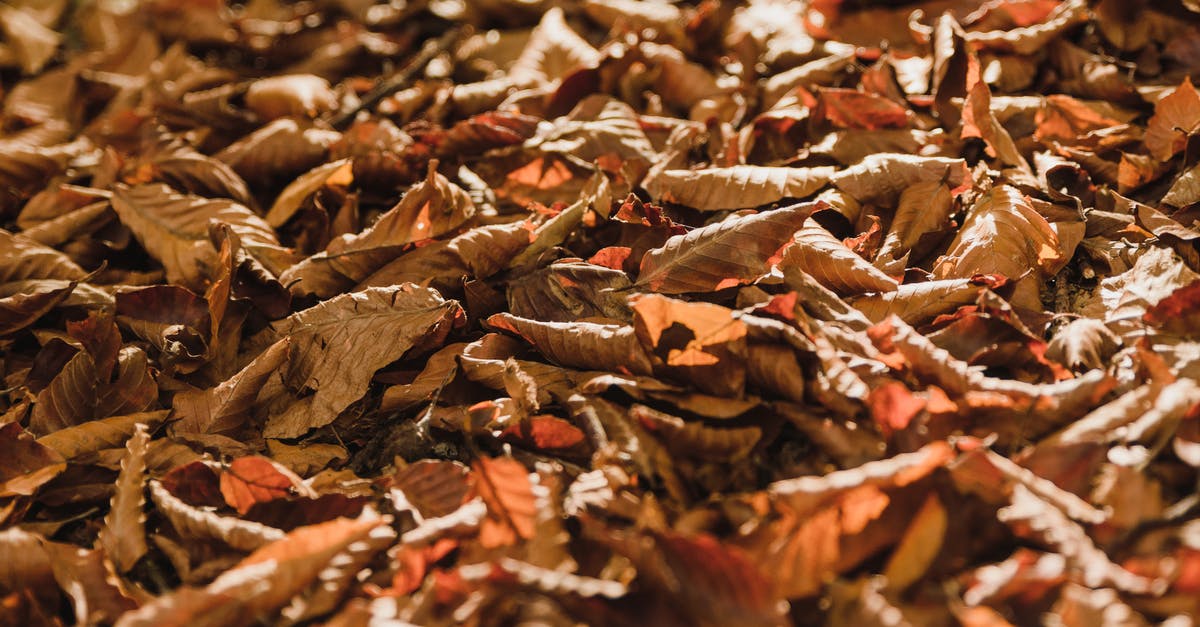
(84, 576)
(480, 252)
(70, 399)
(978, 120)
(822, 515)
(281, 147)
(79, 442)
(924, 207)
(289, 201)
(1175, 117)
(566, 291)
(227, 407)
(33, 43)
(124, 533)
(1001, 234)
(173, 228)
(326, 358)
(290, 95)
(581, 344)
(824, 257)
(504, 485)
(553, 50)
(281, 570)
(850, 108)
(440, 369)
(920, 545)
(29, 300)
(881, 178)
(250, 480)
(737, 187)
(1035, 518)
(199, 523)
(173, 319)
(596, 195)
(435, 488)
(1083, 344)
(25, 563)
(701, 343)
(430, 209)
(1185, 190)
(29, 463)
(723, 254)
(25, 259)
(692, 439)
(918, 303)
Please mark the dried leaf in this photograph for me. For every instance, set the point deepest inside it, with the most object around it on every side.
(226, 407)
(1176, 116)
(1036, 518)
(504, 485)
(1001, 234)
(251, 480)
(737, 187)
(817, 252)
(882, 178)
(290, 95)
(324, 357)
(430, 209)
(723, 254)
(194, 522)
(174, 229)
(701, 343)
(124, 534)
(582, 344)
(29, 463)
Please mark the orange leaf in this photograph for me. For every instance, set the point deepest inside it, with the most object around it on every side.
(250, 480)
(547, 433)
(1175, 117)
(504, 485)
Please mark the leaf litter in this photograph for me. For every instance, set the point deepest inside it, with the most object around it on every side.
(599, 312)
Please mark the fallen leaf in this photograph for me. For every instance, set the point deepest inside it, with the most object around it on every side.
(1175, 117)
(723, 254)
(336, 370)
(250, 480)
(124, 534)
(736, 187)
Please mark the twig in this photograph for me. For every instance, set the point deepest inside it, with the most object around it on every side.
(431, 49)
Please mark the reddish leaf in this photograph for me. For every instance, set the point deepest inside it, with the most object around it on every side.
(250, 480)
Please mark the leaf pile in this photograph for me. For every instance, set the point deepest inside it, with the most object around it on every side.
(610, 312)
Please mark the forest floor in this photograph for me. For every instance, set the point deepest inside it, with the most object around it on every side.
(500, 312)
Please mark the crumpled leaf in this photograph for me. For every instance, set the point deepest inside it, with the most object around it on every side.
(881, 178)
(430, 209)
(173, 228)
(504, 485)
(1044, 522)
(329, 368)
(194, 522)
(817, 252)
(123, 536)
(1083, 344)
(698, 342)
(228, 406)
(723, 254)
(281, 570)
(916, 303)
(582, 344)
